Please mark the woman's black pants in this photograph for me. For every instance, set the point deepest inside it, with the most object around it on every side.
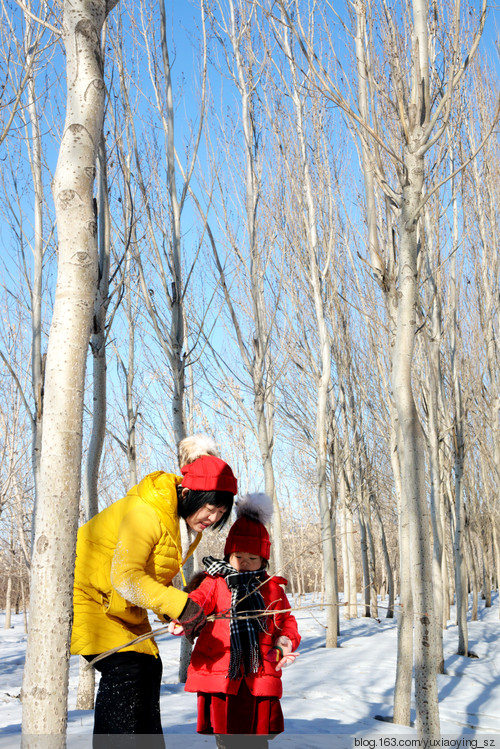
(128, 701)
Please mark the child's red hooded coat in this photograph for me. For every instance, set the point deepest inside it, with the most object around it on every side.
(209, 665)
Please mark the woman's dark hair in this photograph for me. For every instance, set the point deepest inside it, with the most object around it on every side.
(196, 499)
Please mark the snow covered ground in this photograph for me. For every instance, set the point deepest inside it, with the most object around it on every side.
(331, 697)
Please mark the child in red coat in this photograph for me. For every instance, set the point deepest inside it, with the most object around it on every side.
(237, 660)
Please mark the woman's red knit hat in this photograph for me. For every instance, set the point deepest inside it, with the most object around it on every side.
(249, 533)
(209, 473)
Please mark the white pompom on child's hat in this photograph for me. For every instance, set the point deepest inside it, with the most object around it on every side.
(248, 533)
(258, 506)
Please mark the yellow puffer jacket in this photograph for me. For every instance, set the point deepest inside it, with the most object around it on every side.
(126, 558)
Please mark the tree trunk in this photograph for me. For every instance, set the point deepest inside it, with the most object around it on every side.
(47, 658)
(490, 303)
(37, 361)
(496, 549)
(458, 445)
(257, 356)
(404, 668)
(363, 537)
(461, 596)
(98, 346)
(129, 379)
(372, 569)
(188, 569)
(434, 465)
(23, 598)
(388, 569)
(86, 680)
(444, 562)
(130, 304)
(412, 454)
(317, 282)
(8, 603)
(486, 577)
(343, 538)
(263, 406)
(474, 575)
(333, 515)
(351, 558)
(346, 483)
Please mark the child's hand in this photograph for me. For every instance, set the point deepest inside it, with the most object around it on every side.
(284, 643)
(175, 629)
(287, 660)
(281, 653)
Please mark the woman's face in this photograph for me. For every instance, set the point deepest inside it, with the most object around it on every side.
(243, 561)
(204, 517)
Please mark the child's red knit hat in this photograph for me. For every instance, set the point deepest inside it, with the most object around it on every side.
(209, 473)
(249, 533)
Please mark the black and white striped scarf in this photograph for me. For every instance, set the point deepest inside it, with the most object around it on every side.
(244, 633)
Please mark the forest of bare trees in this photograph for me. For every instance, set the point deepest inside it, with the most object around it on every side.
(276, 223)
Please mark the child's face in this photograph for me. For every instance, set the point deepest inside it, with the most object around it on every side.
(243, 561)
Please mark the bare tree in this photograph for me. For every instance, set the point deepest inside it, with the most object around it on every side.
(164, 270)
(20, 57)
(318, 271)
(481, 189)
(422, 104)
(86, 682)
(234, 23)
(32, 238)
(46, 672)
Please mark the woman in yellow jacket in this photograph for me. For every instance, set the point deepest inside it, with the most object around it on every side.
(126, 558)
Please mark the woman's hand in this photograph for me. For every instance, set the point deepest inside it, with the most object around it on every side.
(193, 620)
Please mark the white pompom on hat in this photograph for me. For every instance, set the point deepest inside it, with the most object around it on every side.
(191, 448)
(258, 506)
(248, 533)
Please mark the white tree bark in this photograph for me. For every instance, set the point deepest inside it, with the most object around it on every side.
(484, 191)
(8, 602)
(413, 509)
(129, 378)
(167, 310)
(130, 305)
(46, 672)
(412, 452)
(263, 406)
(433, 442)
(459, 540)
(351, 610)
(364, 564)
(317, 283)
(177, 327)
(496, 549)
(98, 345)
(388, 568)
(372, 568)
(86, 680)
(402, 686)
(38, 253)
(343, 541)
(235, 24)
